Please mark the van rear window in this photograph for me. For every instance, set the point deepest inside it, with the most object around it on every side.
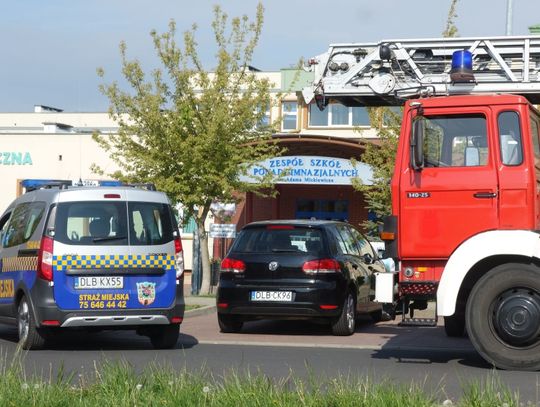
(276, 239)
(113, 223)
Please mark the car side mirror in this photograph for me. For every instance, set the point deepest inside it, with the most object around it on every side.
(368, 258)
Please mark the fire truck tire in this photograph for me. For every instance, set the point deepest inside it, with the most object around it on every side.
(454, 326)
(502, 316)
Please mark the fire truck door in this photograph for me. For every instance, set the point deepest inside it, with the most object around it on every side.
(454, 194)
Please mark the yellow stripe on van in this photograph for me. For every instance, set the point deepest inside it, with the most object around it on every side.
(19, 264)
(62, 263)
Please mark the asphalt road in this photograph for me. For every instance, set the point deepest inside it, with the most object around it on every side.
(284, 349)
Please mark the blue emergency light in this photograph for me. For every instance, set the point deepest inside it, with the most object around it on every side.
(461, 70)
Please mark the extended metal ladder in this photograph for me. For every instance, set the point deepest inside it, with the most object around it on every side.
(389, 71)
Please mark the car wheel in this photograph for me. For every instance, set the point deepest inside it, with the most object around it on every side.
(29, 335)
(344, 325)
(229, 323)
(377, 316)
(454, 326)
(502, 316)
(164, 336)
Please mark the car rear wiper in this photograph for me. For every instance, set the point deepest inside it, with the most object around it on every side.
(104, 239)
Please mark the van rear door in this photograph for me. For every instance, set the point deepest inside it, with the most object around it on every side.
(113, 255)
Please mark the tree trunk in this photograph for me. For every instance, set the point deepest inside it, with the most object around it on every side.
(205, 255)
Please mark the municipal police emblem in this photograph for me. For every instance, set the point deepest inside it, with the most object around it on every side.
(146, 292)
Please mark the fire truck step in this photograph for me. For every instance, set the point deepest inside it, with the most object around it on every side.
(418, 322)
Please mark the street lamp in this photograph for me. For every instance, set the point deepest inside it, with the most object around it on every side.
(509, 7)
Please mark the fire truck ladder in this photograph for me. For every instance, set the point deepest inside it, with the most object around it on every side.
(390, 71)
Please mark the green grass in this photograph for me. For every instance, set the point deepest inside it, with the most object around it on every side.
(116, 384)
(192, 307)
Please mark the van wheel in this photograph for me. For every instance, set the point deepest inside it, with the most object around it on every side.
(164, 336)
(502, 316)
(344, 325)
(229, 323)
(29, 335)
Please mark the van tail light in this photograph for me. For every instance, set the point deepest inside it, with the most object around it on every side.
(50, 322)
(45, 257)
(179, 258)
(321, 266)
(229, 265)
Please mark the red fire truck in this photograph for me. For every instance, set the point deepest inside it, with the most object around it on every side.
(465, 223)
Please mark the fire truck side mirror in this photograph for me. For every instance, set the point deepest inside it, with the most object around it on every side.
(417, 145)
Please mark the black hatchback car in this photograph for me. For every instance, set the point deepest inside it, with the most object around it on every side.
(298, 269)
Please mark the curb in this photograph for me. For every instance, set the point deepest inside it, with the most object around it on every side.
(204, 310)
(403, 348)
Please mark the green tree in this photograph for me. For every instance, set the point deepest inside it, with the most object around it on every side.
(190, 131)
(381, 157)
(451, 30)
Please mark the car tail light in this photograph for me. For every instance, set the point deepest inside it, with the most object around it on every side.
(45, 256)
(176, 320)
(111, 196)
(232, 266)
(50, 322)
(222, 305)
(179, 257)
(321, 266)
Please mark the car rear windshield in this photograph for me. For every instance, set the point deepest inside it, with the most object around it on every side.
(274, 239)
(113, 223)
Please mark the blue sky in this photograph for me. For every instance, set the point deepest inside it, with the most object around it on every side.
(50, 49)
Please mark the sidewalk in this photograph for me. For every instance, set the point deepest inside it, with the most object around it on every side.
(206, 304)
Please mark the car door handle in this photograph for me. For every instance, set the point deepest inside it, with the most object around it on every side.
(485, 195)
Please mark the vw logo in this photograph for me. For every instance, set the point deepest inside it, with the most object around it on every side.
(272, 266)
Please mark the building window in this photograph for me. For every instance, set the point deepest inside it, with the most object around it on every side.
(289, 113)
(360, 116)
(339, 114)
(336, 114)
(264, 121)
(322, 209)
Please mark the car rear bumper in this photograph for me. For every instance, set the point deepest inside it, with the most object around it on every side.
(235, 298)
(46, 309)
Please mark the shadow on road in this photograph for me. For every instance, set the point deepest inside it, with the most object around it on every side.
(426, 345)
(298, 327)
(70, 340)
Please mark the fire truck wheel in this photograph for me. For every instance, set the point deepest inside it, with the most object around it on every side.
(454, 326)
(502, 316)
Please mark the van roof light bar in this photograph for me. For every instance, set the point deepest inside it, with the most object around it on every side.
(149, 186)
